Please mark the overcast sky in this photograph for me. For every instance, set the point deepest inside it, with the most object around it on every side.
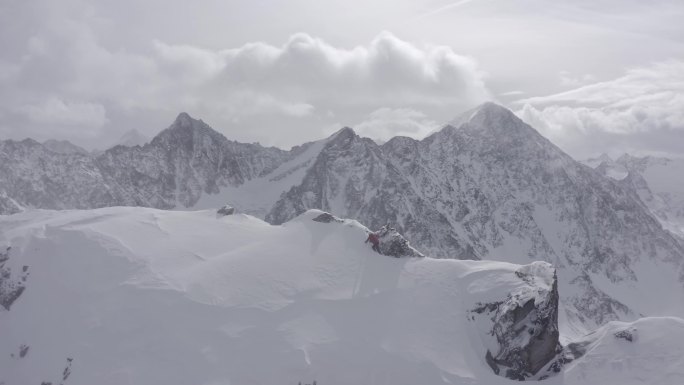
(592, 75)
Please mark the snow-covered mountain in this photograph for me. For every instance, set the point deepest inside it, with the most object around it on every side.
(179, 165)
(63, 147)
(657, 181)
(132, 138)
(142, 296)
(486, 186)
(489, 186)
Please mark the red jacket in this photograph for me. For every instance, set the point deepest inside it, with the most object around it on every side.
(373, 238)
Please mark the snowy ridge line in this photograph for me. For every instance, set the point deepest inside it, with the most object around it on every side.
(120, 295)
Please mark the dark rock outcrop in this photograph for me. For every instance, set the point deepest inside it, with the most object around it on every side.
(626, 334)
(225, 210)
(327, 218)
(394, 244)
(11, 285)
(525, 326)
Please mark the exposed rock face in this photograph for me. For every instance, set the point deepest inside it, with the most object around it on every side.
(394, 244)
(225, 210)
(525, 325)
(182, 163)
(12, 283)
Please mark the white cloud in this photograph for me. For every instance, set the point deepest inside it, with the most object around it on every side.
(385, 123)
(568, 80)
(65, 76)
(309, 70)
(642, 111)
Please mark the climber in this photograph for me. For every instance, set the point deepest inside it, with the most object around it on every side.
(373, 238)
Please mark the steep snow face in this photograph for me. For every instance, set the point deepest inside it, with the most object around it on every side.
(141, 296)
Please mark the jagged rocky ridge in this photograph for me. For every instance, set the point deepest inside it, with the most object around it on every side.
(487, 186)
(525, 326)
(180, 164)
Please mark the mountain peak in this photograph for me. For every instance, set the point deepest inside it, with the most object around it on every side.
(490, 118)
(344, 132)
(184, 120)
(492, 108)
(485, 111)
(185, 129)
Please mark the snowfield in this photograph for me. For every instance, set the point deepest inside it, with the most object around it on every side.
(143, 296)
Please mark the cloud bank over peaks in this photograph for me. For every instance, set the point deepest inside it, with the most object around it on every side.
(639, 112)
(66, 84)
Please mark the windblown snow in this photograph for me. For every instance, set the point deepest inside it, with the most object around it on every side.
(143, 296)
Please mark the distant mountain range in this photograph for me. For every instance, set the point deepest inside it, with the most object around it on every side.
(486, 186)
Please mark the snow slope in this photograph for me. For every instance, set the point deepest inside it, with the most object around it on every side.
(142, 296)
